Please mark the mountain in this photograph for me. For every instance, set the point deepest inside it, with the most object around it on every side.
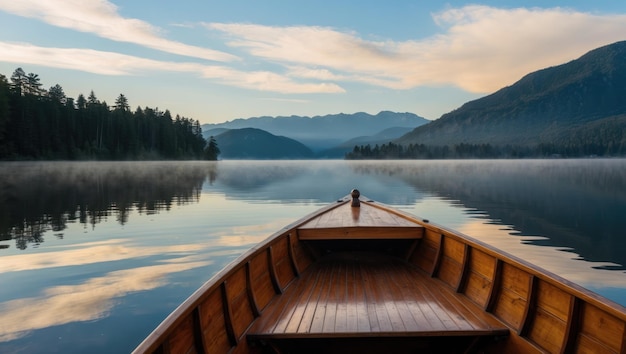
(213, 132)
(551, 105)
(383, 137)
(323, 132)
(252, 143)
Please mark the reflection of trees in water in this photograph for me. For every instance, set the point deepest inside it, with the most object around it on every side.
(40, 197)
(576, 203)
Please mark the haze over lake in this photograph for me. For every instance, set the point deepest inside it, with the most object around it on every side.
(93, 255)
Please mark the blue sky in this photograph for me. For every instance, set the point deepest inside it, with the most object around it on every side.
(215, 61)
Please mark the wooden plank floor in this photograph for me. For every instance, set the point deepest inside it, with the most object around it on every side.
(370, 295)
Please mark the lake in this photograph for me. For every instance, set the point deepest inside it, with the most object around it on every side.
(94, 255)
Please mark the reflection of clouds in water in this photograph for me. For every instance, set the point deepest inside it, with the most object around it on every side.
(250, 234)
(567, 265)
(89, 253)
(90, 300)
(95, 298)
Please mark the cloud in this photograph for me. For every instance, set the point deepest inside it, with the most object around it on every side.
(323, 48)
(101, 18)
(289, 100)
(486, 48)
(87, 60)
(110, 63)
(267, 81)
(480, 48)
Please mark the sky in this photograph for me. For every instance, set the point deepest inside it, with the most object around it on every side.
(215, 61)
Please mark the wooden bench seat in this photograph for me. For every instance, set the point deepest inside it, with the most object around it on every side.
(369, 299)
(365, 222)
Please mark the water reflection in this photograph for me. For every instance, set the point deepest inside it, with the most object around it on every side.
(577, 204)
(147, 221)
(92, 252)
(87, 301)
(40, 197)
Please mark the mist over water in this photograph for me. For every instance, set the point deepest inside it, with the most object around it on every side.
(578, 204)
(96, 254)
(45, 196)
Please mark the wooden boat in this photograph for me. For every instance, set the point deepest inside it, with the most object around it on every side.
(360, 276)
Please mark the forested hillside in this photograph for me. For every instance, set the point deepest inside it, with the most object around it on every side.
(36, 123)
(574, 109)
(252, 143)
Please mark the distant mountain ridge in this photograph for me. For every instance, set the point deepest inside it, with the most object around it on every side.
(324, 132)
(574, 109)
(547, 106)
(383, 137)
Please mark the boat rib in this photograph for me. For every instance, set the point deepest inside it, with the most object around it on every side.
(364, 277)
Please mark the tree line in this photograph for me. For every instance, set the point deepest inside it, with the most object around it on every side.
(36, 123)
(565, 149)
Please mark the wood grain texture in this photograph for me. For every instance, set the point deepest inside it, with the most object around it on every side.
(365, 216)
(213, 323)
(366, 295)
(599, 326)
(261, 280)
(419, 285)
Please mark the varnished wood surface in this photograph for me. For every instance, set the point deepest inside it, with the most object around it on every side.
(364, 216)
(420, 288)
(364, 222)
(371, 295)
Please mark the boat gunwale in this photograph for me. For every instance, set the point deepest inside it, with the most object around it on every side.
(170, 323)
(543, 274)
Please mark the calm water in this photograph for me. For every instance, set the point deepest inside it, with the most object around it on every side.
(94, 255)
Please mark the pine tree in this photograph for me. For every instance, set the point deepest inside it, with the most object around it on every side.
(121, 103)
(4, 115)
(56, 93)
(212, 150)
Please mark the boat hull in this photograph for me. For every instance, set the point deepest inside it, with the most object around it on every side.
(377, 279)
